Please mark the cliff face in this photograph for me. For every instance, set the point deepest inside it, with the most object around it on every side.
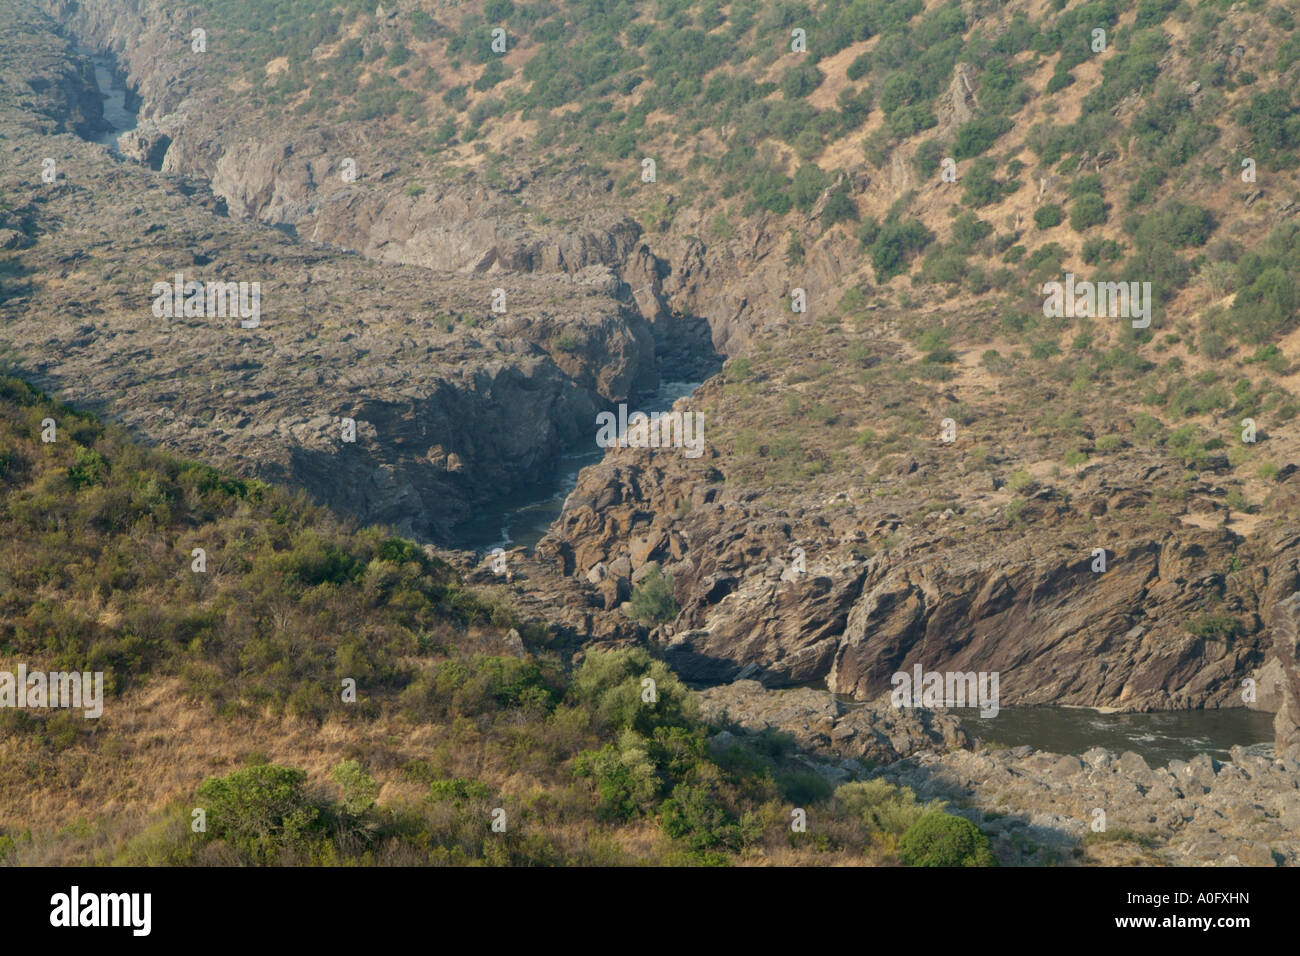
(54, 88)
(296, 177)
(1286, 661)
(837, 589)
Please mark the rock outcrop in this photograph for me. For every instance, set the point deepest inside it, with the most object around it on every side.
(1286, 654)
(1163, 627)
(146, 144)
(1040, 807)
(1043, 807)
(1170, 624)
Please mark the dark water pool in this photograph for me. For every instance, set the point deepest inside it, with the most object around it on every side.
(1158, 737)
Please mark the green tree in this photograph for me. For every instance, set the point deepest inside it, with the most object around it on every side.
(612, 686)
(896, 242)
(809, 182)
(839, 207)
(1087, 211)
(1045, 217)
(359, 788)
(625, 780)
(940, 839)
(259, 810)
(694, 815)
(882, 805)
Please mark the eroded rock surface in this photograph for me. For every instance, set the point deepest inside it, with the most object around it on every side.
(454, 404)
(1040, 806)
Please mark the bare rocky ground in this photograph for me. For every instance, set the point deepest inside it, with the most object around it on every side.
(1245, 812)
(965, 585)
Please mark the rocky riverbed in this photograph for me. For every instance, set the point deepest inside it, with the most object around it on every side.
(1044, 806)
(1041, 807)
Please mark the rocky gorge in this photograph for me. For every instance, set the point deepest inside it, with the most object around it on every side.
(453, 404)
(379, 295)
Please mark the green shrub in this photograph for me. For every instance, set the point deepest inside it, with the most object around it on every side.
(976, 136)
(1100, 250)
(739, 370)
(799, 81)
(359, 788)
(89, 470)
(260, 811)
(882, 805)
(809, 182)
(1058, 81)
(839, 207)
(794, 250)
(939, 839)
(968, 229)
(1145, 186)
(1222, 627)
(398, 55)
(458, 790)
(626, 782)
(494, 73)
(694, 815)
(1273, 123)
(1108, 443)
(652, 600)
(897, 242)
(480, 684)
(928, 156)
(802, 787)
(981, 187)
(1045, 217)
(612, 686)
(1087, 211)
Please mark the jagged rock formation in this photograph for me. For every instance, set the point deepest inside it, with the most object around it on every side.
(1040, 807)
(293, 178)
(146, 144)
(964, 594)
(56, 91)
(961, 587)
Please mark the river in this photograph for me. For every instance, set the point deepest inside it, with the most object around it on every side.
(120, 103)
(521, 519)
(1158, 737)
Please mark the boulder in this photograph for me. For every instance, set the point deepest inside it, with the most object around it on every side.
(146, 144)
